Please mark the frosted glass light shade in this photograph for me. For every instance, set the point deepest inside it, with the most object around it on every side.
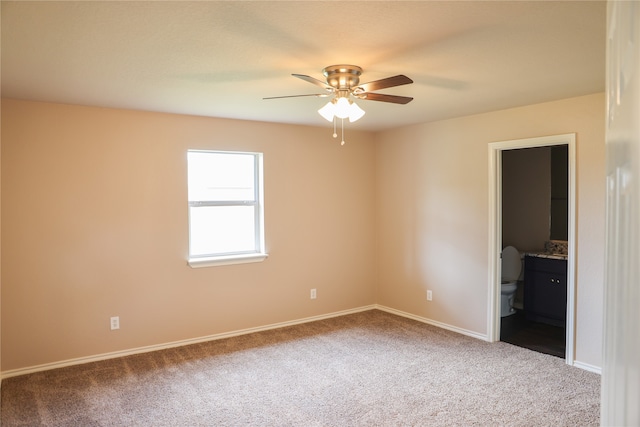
(341, 108)
(327, 111)
(355, 112)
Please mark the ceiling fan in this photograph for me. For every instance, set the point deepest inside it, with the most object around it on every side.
(343, 82)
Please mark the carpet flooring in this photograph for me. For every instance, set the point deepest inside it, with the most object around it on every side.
(366, 369)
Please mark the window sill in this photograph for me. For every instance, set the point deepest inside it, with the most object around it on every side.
(226, 260)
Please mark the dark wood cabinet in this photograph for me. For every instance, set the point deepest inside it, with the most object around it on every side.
(545, 290)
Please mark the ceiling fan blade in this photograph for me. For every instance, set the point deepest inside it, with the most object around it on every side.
(398, 80)
(385, 98)
(319, 95)
(314, 81)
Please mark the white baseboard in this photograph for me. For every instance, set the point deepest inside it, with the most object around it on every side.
(448, 327)
(587, 367)
(147, 349)
(577, 364)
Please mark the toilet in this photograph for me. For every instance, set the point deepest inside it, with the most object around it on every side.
(511, 269)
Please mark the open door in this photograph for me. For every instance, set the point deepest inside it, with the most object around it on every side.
(621, 367)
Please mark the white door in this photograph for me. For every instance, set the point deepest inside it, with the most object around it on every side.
(621, 370)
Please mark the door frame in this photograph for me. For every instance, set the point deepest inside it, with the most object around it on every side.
(495, 232)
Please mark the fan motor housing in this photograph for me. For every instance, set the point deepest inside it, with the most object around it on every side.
(342, 76)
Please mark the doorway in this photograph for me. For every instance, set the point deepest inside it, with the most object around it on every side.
(496, 151)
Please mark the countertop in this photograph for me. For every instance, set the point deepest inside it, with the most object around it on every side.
(543, 254)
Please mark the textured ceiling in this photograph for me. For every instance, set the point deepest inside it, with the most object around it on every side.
(221, 58)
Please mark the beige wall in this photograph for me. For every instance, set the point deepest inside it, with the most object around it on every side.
(432, 213)
(94, 224)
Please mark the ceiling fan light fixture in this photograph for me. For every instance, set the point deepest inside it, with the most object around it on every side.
(328, 111)
(343, 82)
(355, 112)
(343, 108)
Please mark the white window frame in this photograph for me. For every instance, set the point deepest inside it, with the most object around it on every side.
(257, 255)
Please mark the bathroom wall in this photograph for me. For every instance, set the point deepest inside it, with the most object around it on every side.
(526, 198)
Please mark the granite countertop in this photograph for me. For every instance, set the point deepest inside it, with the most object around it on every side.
(554, 249)
(543, 254)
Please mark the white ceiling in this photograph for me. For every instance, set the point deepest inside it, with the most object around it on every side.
(221, 58)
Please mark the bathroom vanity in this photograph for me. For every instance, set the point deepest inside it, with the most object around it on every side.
(545, 288)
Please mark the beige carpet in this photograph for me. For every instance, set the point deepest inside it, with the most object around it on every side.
(366, 369)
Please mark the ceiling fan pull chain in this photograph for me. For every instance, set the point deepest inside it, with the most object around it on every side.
(335, 134)
(342, 143)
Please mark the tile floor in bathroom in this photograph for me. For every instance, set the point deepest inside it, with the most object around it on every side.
(540, 337)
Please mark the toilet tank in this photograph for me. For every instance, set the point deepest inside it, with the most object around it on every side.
(511, 264)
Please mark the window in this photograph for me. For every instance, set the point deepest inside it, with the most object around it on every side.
(225, 208)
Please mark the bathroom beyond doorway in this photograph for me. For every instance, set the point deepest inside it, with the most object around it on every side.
(534, 211)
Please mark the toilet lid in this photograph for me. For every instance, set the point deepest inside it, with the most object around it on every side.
(511, 264)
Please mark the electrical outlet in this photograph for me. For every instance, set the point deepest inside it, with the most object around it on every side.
(313, 294)
(115, 323)
(429, 296)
